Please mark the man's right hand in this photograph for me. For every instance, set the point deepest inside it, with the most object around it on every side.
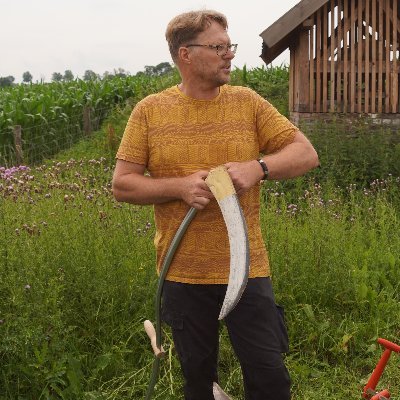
(131, 186)
(194, 191)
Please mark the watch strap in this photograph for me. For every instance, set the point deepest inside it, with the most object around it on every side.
(264, 168)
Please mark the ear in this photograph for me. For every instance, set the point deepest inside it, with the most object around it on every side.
(184, 55)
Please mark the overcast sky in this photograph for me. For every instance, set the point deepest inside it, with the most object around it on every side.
(46, 36)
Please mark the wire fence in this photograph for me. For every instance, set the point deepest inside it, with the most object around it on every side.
(27, 145)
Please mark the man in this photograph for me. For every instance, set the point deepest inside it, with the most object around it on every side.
(178, 135)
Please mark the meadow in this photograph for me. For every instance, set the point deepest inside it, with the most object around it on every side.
(77, 276)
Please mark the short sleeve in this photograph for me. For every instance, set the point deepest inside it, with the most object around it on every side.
(134, 143)
(274, 130)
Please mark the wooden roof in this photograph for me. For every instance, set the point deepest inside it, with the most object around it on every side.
(277, 37)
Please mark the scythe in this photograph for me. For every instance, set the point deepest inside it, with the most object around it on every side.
(220, 184)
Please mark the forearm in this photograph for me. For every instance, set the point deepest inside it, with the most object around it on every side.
(293, 160)
(130, 185)
(146, 190)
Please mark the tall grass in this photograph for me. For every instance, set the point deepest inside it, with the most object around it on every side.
(77, 272)
(77, 279)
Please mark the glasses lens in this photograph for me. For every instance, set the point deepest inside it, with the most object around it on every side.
(222, 49)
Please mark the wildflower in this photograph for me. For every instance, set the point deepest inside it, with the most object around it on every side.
(27, 287)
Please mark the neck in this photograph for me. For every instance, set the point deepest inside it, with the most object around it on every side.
(198, 91)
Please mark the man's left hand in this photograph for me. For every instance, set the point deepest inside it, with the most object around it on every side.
(244, 175)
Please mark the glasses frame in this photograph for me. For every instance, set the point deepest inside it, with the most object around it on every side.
(229, 47)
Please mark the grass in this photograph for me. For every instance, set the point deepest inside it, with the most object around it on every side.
(77, 274)
(77, 280)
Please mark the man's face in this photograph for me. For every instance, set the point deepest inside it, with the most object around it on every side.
(211, 68)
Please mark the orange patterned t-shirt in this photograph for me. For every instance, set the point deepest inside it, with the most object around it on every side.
(174, 135)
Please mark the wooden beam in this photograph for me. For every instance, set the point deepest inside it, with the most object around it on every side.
(308, 23)
(367, 57)
(292, 68)
(373, 75)
(325, 59)
(380, 55)
(302, 73)
(395, 76)
(312, 61)
(359, 57)
(318, 60)
(387, 57)
(345, 56)
(352, 55)
(332, 77)
(339, 101)
(290, 21)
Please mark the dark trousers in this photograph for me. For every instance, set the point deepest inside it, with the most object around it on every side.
(256, 330)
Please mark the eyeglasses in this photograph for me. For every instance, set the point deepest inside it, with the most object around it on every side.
(222, 49)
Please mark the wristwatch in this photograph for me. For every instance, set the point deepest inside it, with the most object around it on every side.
(264, 167)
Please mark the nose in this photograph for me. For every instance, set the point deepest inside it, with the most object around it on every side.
(230, 55)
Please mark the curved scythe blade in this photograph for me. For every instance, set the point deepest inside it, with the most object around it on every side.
(220, 184)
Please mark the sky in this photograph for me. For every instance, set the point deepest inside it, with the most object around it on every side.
(46, 36)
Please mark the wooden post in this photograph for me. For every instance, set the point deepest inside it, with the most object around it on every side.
(325, 59)
(332, 64)
(380, 56)
(367, 98)
(292, 69)
(346, 56)
(87, 124)
(359, 56)
(302, 72)
(374, 60)
(339, 64)
(318, 49)
(352, 57)
(395, 78)
(387, 57)
(18, 144)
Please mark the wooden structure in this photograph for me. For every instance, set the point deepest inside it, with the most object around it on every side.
(344, 56)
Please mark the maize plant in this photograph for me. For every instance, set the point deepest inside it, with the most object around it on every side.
(51, 114)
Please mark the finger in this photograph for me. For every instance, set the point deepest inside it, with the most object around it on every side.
(200, 202)
(202, 174)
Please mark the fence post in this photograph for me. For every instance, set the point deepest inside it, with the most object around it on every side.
(18, 144)
(87, 123)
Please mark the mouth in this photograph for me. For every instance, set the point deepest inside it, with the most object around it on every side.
(226, 68)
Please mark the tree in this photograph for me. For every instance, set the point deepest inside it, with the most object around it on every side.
(6, 81)
(56, 77)
(68, 76)
(120, 72)
(90, 75)
(158, 70)
(27, 77)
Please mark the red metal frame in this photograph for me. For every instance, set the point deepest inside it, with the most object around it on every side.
(369, 389)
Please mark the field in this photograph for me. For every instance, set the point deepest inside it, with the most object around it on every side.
(54, 116)
(77, 275)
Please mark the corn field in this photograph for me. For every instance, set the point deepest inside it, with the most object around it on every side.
(52, 114)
